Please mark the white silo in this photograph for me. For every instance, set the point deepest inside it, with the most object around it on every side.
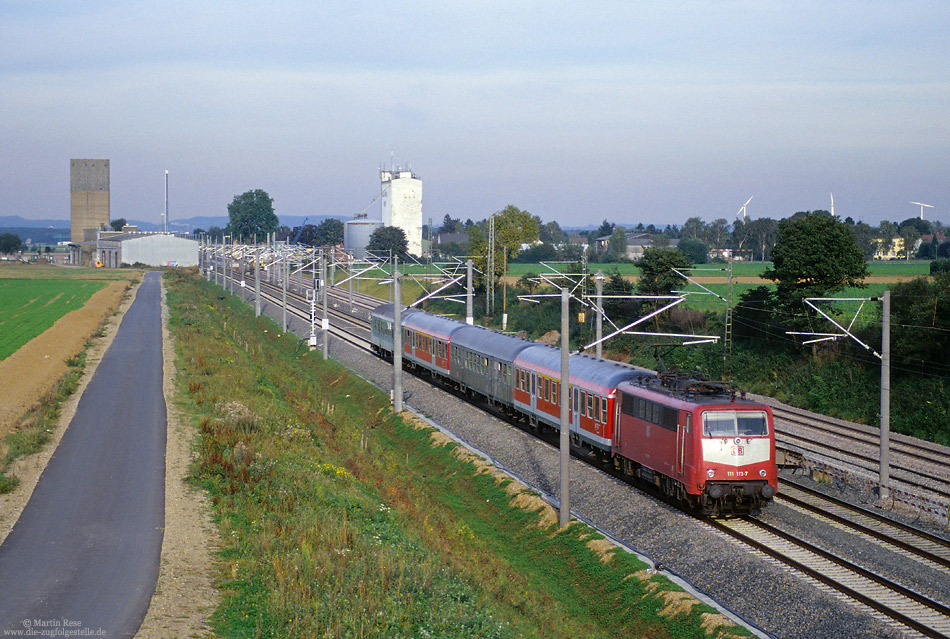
(357, 234)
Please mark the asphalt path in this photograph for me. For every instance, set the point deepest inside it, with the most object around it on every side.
(84, 554)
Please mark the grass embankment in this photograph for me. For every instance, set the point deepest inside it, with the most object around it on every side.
(339, 519)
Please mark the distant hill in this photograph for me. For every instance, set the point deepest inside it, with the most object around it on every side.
(38, 235)
(15, 221)
(206, 222)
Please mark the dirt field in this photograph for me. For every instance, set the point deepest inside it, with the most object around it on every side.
(36, 367)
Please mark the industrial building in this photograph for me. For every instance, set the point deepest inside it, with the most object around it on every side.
(88, 196)
(402, 205)
(113, 250)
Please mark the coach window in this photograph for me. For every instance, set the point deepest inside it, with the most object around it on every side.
(596, 414)
(590, 406)
(603, 410)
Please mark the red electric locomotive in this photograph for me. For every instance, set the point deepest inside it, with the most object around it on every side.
(697, 442)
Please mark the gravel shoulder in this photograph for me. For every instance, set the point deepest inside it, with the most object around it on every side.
(185, 595)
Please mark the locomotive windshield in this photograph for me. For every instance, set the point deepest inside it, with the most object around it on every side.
(730, 423)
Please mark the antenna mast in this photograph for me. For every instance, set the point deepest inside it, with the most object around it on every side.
(166, 200)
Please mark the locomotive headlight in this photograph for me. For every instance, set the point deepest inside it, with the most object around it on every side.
(762, 473)
(710, 473)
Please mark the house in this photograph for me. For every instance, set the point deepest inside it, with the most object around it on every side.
(637, 243)
(892, 252)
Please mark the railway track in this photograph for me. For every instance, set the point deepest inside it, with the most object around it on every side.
(919, 471)
(901, 537)
(903, 605)
(923, 615)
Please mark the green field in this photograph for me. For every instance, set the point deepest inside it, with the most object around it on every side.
(29, 307)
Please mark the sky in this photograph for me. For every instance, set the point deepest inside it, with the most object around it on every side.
(576, 112)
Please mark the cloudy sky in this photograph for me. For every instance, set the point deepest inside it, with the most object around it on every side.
(576, 112)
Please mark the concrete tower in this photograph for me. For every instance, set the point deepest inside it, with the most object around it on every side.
(89, 196)
(402, 205)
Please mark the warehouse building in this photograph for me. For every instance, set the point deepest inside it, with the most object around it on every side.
(128, 249)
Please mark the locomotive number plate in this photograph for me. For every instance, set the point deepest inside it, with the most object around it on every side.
(738, 451)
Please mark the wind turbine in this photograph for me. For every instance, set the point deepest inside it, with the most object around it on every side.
(742, 209)
(922, 205)
(833, 205)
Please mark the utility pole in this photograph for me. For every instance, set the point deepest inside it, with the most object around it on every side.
(727, 337)
(257, 283)
(324, 289)
(600, 313)
(469, 314)
(285, 273)
(564, 515)
(490, 268)
(397, 341)
(885, 396)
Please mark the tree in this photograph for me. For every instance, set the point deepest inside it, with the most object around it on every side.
(514, 227)
(450, 225)
(251, 215)
(886, 232)
(328, 233)
(920, 308)
(10, 243)
(928, 250)
(910, 235)
(694, 227)
(389, 240)
(815, 255)
(762, 232)
(616, 285)
(118, 224)
(923, 227)
(864, 236)
(717, 233)
(695, 250)
(656, 270)
(617, 246)
(606, 229)
(552, 234)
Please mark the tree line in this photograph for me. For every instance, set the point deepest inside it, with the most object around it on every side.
(524, 237)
